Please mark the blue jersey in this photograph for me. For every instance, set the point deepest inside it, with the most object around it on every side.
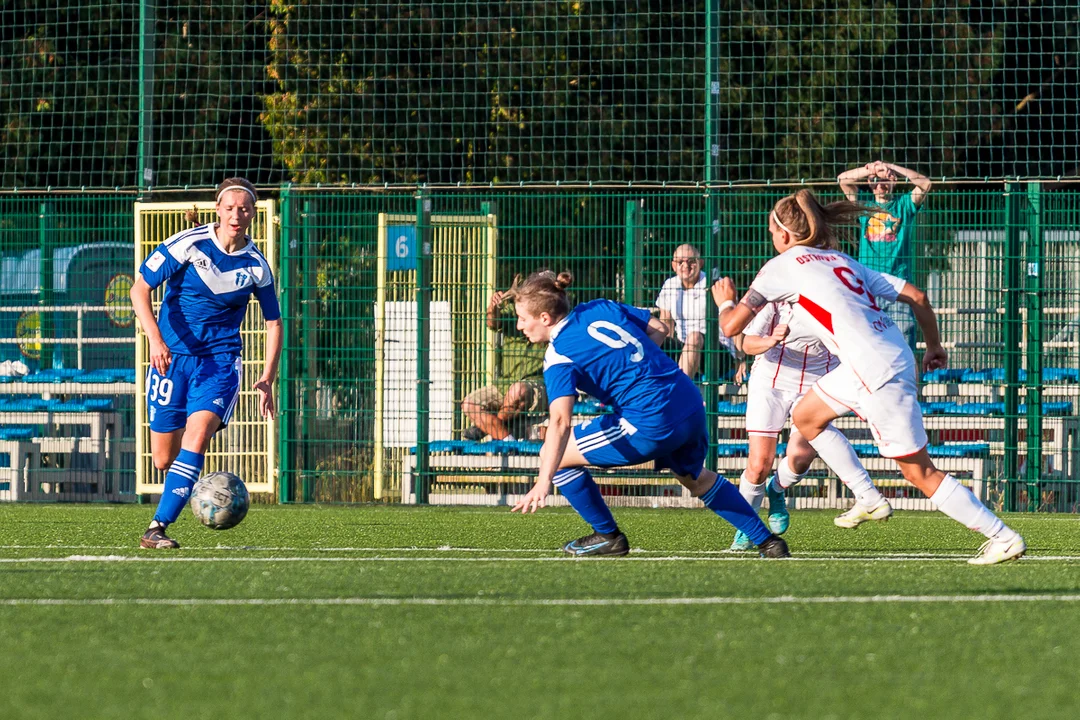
(603, 348)
(207, 291)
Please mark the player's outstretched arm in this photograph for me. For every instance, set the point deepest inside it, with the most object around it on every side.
(658, 330)
(551, 454)
(160, 356)
(733, 317)
(755, 344)
(935, 355)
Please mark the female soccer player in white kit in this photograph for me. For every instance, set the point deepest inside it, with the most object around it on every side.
(836, 296)
(790, 359)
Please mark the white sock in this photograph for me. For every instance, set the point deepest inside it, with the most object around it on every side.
(835, 450)
(961, 505)
(785, 477)
(752, 493)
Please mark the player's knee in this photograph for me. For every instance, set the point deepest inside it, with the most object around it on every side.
(162, 462)
(757, 470)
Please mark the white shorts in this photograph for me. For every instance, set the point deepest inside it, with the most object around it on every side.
(768, 409)
(892, 411)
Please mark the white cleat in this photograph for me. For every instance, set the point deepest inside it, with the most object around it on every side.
(857, 515)
(993, 552)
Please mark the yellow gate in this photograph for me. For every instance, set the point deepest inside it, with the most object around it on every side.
(248, 446)
(461, 347)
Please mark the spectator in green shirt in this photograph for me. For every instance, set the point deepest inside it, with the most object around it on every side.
(888, 235)
(499, 410)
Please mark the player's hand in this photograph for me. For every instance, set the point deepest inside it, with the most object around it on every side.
(160, 357)
(496, 300)
(935, 358)
(723, 290)
(266, 402)
(741, 374)
(778, 334)
(535, 499)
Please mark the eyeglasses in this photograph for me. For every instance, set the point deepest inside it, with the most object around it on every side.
(684, 262)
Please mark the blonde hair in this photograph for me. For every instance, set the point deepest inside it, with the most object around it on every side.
(542, 292)
(813, 224)
(232, 183)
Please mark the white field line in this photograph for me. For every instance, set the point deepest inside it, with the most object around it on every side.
(160, 558)
(544, 602)
(549, 554)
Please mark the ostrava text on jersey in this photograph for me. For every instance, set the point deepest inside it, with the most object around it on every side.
(602, 348)
(207, 291)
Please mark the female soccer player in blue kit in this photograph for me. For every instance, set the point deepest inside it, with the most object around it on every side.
(611, 351)
(210, 272)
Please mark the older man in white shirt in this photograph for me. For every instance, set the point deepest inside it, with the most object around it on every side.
(682, 308)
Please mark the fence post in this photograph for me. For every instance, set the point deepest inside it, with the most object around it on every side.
(421, 478)
(308, 248)
(712, 381)
(285, 282)
(631, 250)
(1012, 287)
(145, 164)
(1033, 298)
(48, 353)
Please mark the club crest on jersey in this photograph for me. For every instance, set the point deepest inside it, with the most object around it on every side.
(241, 279)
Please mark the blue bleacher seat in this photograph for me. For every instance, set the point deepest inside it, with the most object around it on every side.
(731, 408)
(18, 432)
(1060, 375)
(54, 375)
(944, 375)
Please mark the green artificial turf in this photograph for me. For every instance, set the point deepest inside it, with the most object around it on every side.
(393, 612)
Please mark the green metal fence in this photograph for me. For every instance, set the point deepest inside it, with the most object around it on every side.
(67, 331)
(999, 263)
(153, 94)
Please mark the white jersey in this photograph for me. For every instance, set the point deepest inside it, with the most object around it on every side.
(686, 305)
(834, 296)
(794, 364)
(687, 308)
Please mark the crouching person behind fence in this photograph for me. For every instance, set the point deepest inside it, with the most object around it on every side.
(502, 411)
(210, 273)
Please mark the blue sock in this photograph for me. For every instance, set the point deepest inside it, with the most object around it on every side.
(724, 499)
(178, 483)
(578, 487)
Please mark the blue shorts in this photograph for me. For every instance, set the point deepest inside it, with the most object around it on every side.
(193, 383)
(611, 441)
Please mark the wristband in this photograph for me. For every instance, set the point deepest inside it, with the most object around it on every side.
(726, 304)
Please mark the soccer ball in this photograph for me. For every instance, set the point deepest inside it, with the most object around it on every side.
(220, 500)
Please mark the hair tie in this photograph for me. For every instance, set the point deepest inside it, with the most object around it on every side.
(237, 187)
(776, 219)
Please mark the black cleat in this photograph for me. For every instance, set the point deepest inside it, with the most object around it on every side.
(597, 544)
(774, 547)
(156, 539)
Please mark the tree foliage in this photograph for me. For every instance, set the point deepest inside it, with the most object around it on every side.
(341, 91)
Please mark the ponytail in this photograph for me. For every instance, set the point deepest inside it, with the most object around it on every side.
(543, 292)
(813, 224)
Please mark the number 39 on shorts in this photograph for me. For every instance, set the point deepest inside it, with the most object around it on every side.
(160, 390)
